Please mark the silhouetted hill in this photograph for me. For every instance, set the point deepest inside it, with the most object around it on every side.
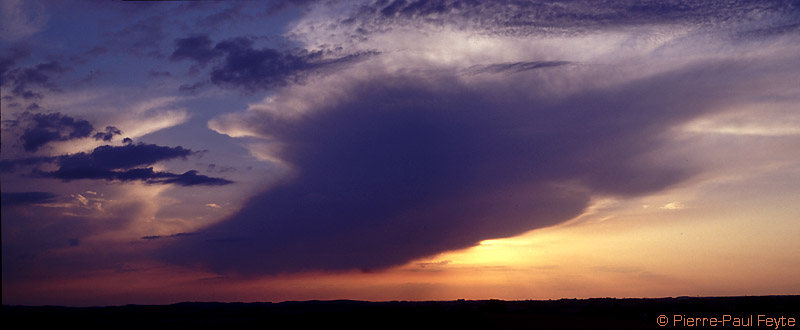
(599, 313)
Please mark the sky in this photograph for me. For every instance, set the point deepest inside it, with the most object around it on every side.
(160, 152)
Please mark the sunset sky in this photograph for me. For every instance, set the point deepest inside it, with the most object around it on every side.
(159, 152)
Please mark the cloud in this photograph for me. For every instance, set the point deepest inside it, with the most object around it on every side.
(46, 128)
(514, 67)
(12, 164)
(227, 15)
(21, 19)
(108, 134)
(21, 80)
(478, 120)
(143, 37)
(120, 163)
(249, 68)
(191, 178)
(196, 48)
(9, 59)
(48, 239)
(128, 156)
(158, 74)
(509, 17)
(673, 206)
(26, 198)
(123, 163)
(152, 237)
(397, 167)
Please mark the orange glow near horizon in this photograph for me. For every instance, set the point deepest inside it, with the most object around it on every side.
(644, 252)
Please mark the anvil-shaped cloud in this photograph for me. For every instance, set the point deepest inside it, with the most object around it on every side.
(442, 141)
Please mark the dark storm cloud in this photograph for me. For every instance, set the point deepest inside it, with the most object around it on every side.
(46, 128)
(26, 198)
(123, 163)
(244, 66)
(407, 167)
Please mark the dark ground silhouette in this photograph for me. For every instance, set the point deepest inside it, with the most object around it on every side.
(598, 313)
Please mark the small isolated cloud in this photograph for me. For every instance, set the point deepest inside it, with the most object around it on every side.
(213, 206)
(673, 206)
